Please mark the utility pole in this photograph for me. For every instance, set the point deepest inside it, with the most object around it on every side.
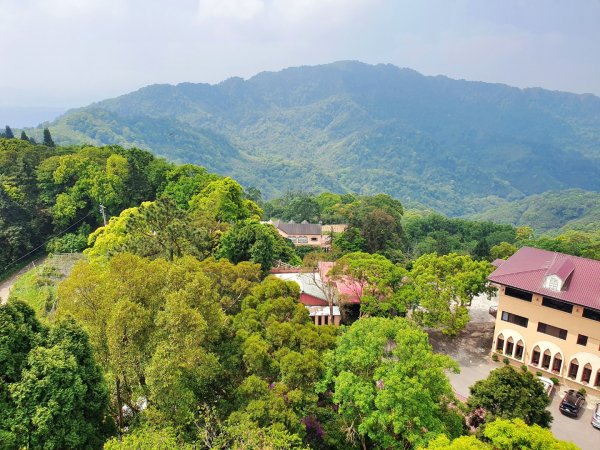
(102, 211)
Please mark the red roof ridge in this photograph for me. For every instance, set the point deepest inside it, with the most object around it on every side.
(529, 268)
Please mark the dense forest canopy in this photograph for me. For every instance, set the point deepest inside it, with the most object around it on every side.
(170, 333)
(452, 145)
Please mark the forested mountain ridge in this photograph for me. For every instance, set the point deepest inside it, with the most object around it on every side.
(552, 212)
(452, 145)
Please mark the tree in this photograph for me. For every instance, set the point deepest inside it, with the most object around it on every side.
(252, 241)
(48, 142)
(504, 435)
(58, 399)
(8, 133)
(24, 136)
(510, 394)
(444, 286)
(511, 434)
(378, 282)
(391, 389)
(503, 250)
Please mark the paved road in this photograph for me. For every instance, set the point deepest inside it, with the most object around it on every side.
(6, 285)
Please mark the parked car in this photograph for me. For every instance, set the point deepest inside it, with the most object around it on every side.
(571, 403)
(548, 385)
(596, 417)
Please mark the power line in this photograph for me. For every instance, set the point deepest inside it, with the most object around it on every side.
(48, 240)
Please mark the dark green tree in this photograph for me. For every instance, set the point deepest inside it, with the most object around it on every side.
(48, 142)
(250, 240)
(8, 133)
(512, 394)
(24, 136)
(52, 393)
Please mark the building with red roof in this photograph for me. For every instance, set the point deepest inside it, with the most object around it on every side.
(549, 314)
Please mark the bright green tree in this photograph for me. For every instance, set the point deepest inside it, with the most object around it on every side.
(444, 286)
(390, 387)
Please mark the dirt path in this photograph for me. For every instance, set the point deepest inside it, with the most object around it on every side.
(7, 284)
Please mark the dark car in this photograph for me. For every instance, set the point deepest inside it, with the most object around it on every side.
(571, 403)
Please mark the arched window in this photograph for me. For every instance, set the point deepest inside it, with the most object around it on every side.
(557, 364)
(519, 350)
(535, 356)
(500, 343)
(546, 360)
(597, 382)
(587, 373)
(573, 369)
(510, 345)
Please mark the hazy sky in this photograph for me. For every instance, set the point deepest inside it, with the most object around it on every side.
(73, 52)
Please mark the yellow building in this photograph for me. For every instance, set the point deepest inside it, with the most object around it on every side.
(549, 314)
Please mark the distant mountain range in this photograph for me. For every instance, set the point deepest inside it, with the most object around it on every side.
(554, 212)
(455, 146)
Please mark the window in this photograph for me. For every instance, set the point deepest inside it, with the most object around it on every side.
(535, 357)
(314, 239)
(597, 382)
(517, 293)
(546, 360)
(555, 304)
(510, 345)
(553, 283)
(302, 240)
(591, 314)
(573, 369)
(500, 344)
(513, 318)
(552, 331)
(582, 340)
(519, 350)
(557, 364)
(587, 374)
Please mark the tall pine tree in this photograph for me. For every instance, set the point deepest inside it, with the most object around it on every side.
(24, 136)
(8, 134)
(48, 138)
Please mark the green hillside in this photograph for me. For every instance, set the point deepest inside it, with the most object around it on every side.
(452, 145)
(555, 211)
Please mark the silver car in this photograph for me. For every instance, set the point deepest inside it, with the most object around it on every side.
(596, 417)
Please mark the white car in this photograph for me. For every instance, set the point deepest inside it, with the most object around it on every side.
(596, 417)
(548, 385)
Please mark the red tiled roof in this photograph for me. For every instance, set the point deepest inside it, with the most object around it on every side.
(528, 268)
(498, 262)
(349, 289)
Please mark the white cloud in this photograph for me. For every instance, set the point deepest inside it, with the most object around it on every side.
(229, 9)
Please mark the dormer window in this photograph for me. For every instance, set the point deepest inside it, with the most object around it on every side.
(553, 283)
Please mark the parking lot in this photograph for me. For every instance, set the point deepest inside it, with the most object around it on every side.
(471, 350)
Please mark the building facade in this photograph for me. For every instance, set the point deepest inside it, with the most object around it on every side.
(549, 315)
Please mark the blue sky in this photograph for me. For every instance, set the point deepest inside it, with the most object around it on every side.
(73, 52)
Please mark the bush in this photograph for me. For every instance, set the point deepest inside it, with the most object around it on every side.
(506, 360)
(538, 373)
(582, 391)
(495, 357)
(70, 242)
(555, 380)
(524, 367)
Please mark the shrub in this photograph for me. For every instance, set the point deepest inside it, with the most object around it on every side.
(506, 360)
(495, 357)
(524, 367)
(555, 380)
(538, 373)
(582, 391)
